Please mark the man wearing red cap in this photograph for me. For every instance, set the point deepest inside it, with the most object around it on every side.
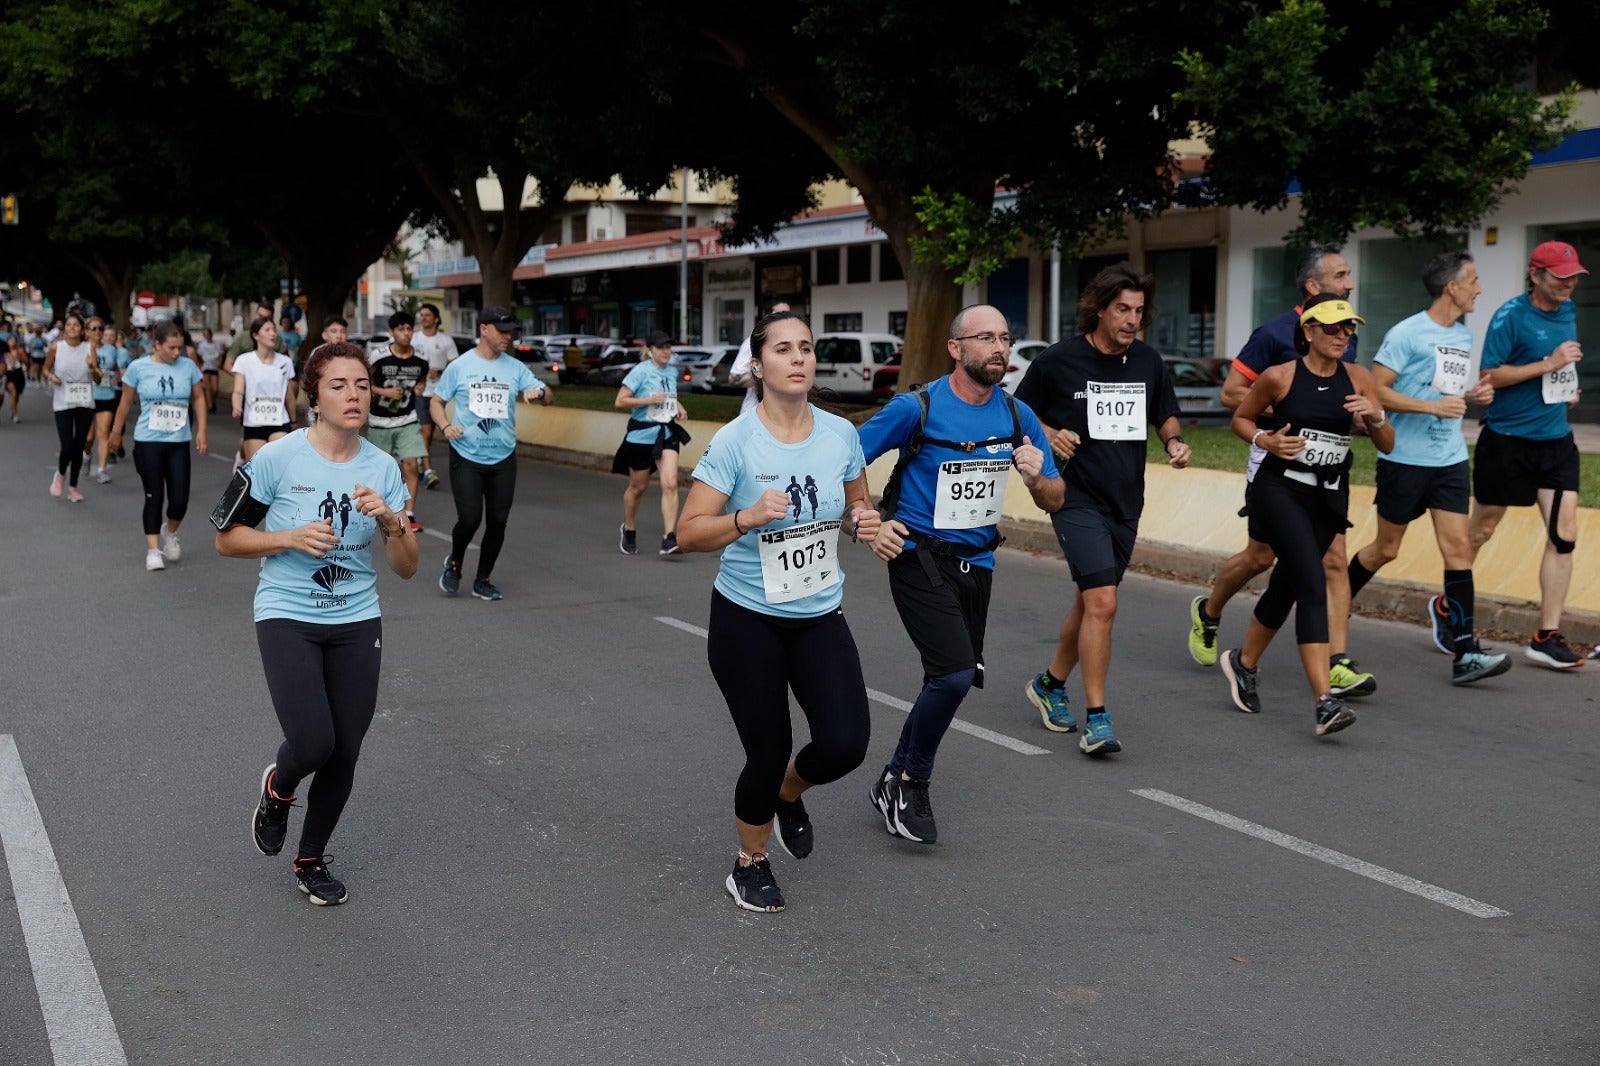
(1526, 453)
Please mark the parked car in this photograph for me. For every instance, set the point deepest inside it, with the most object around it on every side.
(886, 379)
(538, 360)
(704, 363)
(846, 362)
(464, 343)
(1197, 380)
(608, 364)
(1022, 354)
(556, 344)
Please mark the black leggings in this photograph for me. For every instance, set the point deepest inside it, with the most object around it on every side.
(163, 466)
(72, 426)
(1299, 526)
(756, 659)
(477, 488)
(324, 685)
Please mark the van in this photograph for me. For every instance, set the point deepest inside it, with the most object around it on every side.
(847, 362)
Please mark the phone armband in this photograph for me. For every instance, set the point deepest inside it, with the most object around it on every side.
(237, 507)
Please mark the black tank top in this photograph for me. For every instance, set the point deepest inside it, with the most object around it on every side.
(1314, 408)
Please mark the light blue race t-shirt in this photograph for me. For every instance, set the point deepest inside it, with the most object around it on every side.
(299, 486)
(110, 359)
(485, 392)
(647, 379)
(743, 461)
(164, 390)
(1519, 334)
(1421, 352)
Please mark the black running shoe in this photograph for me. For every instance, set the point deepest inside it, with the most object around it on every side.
(316, 882)
(753, 887)
(450, 579)
(1553, 651)
(882, 799)
(911, 811)
(269, 822)
(669, 544)
(628, 541)
(1241, 682)
(794, 829)
(1333, 715)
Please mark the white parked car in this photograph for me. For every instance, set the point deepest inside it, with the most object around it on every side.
(1022, 353)
(846, 362)
(703, 364)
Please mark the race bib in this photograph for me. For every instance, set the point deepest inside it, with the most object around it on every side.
(168, 416)
(1323, 449)
(1116, 410)
(799, 561)
(665, 411)
(1560, 386)
(266, 411)
(1450, 368)
(489, 399)
(970, 492)
(78, 393)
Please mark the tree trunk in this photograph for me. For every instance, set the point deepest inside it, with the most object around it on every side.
(116, 277)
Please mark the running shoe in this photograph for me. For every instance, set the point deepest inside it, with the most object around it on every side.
(101, 477)
(430, 479)
(416, 527)
(1478, 664)
(1332, 715)
(911, 810)
(1347, 679)
(794, 829)
(315, 881)
(484, 590)
(1553, 651)
(73, 495)
(269, 823)
(171, 550)
(882, 800)
(1202, 635)
(153, 560)
(1052, 705)
(450, 580)
(1444, 637)
(1098, 739)
(630, 540)
(753, 887)
(1594, 652)
(669, 544)
(57, 483)
(1241, 682)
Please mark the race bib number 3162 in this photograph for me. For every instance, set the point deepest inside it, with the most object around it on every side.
(799, 561)
(489, 399)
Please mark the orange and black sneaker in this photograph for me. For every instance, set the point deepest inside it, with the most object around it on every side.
(269, 822)
(317, 883)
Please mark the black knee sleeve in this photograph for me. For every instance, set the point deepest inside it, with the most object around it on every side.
(1561, 545)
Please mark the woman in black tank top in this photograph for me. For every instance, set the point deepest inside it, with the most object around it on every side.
(1302, 493)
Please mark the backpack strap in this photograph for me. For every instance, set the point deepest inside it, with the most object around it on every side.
(919, 437)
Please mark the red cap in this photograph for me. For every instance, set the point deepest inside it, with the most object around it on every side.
(1558, 258)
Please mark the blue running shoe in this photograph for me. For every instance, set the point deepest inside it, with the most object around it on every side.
(1052, 704)
(484, 590)
(1443, 637)
(450, 580)
(1098, 739)
(1478, 664)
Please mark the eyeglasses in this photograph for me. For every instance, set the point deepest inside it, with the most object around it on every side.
(986, 338)
(1336, 329)
(96, 329)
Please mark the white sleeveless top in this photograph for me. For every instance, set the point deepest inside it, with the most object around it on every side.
(72, 367)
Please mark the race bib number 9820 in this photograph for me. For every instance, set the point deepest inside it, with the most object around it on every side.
(1560, 386)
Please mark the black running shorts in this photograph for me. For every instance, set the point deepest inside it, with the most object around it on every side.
(1097, 546)
(1510, 471)
(1405, 492)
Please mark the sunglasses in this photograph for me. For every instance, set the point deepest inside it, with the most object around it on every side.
(1336, 329)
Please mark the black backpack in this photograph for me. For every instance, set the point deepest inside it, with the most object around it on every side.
(908, 451)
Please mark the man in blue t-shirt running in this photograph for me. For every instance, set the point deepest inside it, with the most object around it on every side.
(1526, 453)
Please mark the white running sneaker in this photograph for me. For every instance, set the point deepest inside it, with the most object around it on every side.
(101, 477)
(56, 484)
(153, 560)
(170, 549)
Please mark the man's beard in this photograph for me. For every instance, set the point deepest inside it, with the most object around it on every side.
(980, 373)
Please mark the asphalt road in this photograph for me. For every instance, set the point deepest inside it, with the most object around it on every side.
(541, 825)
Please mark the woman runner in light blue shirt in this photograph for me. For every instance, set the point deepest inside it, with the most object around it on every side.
(776, 625)
(316, 605)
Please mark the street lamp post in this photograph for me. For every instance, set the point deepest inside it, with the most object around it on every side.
(683, 261)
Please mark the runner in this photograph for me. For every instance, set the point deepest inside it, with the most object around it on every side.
(958, 440)
(318, 624)
(70, 365)
(483, 444)
(167, 387)
(1526, 453)
(113, 360)
(1322, 270)
(398, 376)
(650, 395)
(264, 396)
(776, 622)
(1302, 495)
(1423, 373)
(289, 338)
(16, 374)
(739, 375)
(37, 347)
(439, 351)
(211, 351)
(1099, 393)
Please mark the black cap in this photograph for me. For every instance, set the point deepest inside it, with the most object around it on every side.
(497, 317)
(658, 339)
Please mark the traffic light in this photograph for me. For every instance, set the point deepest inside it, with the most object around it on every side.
(8, 210)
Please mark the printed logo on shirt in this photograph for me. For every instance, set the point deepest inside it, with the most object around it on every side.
(766, 477)
(301, 488)
(801, 495)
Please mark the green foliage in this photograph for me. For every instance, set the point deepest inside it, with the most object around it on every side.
(969, 240)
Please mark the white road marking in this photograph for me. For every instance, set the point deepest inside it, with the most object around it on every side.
(1333, 858)
(436, 535)
(76, 1016)
(1022, 747)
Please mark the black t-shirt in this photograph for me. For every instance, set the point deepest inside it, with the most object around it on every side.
(393, 372)
(1071, 385)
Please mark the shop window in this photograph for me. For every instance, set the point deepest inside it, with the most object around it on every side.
(580, 229)
(858, 264)
(845, 323)
(897, 323)
(1272, 287)
(1388, 277)
(889, 264)
(1184, 322)
(827, 266)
